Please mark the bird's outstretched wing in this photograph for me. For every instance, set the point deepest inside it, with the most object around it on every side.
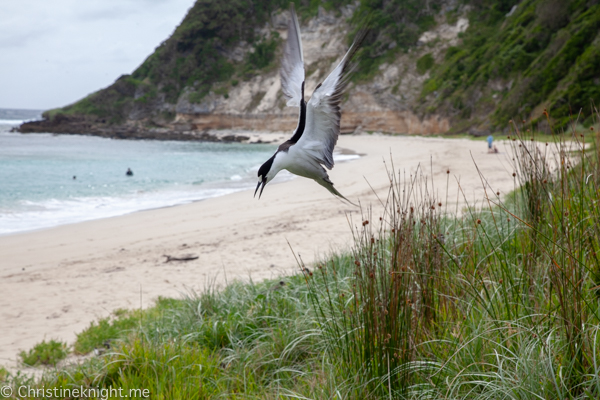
(292, 65)
(323, 109)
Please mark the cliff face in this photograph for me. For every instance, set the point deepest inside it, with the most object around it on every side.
(445, 65)
(386, 103)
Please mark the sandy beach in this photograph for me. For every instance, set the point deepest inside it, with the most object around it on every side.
(54, 282)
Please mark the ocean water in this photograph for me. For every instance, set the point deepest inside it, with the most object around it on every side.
(12, 117)
(48, 180)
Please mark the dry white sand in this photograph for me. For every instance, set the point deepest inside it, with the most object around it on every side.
(54, 282)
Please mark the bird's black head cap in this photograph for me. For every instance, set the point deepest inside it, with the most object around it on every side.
(262, 175)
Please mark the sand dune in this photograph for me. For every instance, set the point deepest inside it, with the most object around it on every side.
(54, 282)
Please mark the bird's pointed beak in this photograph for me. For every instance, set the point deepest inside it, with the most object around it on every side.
(261, 188)
(257, 186)
(264, 183)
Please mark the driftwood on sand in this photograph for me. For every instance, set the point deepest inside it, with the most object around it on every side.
(184, 257)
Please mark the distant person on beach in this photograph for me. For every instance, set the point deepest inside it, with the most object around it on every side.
(490, 140)
(129, 172)
(74, 177)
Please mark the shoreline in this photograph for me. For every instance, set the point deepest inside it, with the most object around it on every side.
(187, 195)
(57, 280)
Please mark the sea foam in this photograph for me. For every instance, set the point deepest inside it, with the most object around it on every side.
(49, 180)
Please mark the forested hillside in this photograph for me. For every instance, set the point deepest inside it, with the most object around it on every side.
(546, 54)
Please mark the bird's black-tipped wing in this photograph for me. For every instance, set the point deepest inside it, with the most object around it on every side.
(323, 109)
(292, 64)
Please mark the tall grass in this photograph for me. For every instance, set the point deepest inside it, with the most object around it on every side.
(375, 308)
(498, 302)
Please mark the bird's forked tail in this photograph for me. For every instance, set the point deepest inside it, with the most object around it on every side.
(327, 184)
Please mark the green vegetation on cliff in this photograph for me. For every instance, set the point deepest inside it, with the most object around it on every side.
(395, 26)
(545, 54)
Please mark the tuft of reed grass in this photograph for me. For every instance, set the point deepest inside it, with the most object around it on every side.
(376, 311)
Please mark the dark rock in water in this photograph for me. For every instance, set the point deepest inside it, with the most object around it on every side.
(58, 124)
(78, 125)
(235, 138)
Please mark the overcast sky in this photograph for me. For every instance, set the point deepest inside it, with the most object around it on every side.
(55, 52)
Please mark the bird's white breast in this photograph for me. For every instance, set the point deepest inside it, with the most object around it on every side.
(298, 161)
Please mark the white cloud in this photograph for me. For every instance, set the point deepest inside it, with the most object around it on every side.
(53, 53)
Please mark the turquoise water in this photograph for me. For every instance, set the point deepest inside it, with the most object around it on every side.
(48, 180)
